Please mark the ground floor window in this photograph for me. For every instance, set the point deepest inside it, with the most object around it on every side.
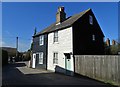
(41, 58)
(55, 58)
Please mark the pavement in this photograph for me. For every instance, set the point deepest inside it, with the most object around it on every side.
(18, 74)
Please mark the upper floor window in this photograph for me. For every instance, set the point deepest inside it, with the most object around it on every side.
(90, 19)
(56, 36)
(41, 58)
(41, 40)
(55, 58)
(93, 37)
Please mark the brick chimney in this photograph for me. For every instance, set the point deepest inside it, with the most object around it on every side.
(113, 42)
(108, 42)
(60, 15)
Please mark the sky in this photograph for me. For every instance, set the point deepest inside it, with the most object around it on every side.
(20, 18)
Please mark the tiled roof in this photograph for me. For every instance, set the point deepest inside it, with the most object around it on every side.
(68, 22)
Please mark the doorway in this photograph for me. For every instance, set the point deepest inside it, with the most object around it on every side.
(34, 60)
(68, 63)
(37, 59)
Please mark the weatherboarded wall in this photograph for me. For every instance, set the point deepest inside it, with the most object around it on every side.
(64, 45)
(101, 67)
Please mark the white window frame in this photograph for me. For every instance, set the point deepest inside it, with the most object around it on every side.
(41, 40)
(41, 58)
(55, 58)
(90, 19)
(55, 39)
(93, 37)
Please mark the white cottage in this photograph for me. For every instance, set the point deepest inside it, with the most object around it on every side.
(59, 48)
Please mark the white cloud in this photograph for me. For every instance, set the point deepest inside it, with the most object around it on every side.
(22, 45)
(4, 44)
(1, 43)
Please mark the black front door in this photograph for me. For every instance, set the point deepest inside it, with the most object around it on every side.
(37, 59)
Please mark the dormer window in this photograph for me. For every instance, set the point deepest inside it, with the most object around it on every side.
(90, 19)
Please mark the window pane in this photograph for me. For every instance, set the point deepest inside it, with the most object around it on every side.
(55, 58)
(56, 36)
(41, 41)
(93, 37)
(90, 19)
(41, 58)
(56, 39)
(54, 55)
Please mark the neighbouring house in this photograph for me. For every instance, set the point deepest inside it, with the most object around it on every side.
(11, 51)
(4, 55)
(54, 47)
(7, 53)
(113, 48)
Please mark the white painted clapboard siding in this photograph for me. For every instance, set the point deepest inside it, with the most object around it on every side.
(64, 45)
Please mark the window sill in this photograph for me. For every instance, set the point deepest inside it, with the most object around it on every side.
(40, 63)
(41, 45)
(55, 64)
(55, 42)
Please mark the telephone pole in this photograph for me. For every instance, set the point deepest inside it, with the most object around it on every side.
(16, 47)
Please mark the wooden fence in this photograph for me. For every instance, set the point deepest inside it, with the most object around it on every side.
(101, 67)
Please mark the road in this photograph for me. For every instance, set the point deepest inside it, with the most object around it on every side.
(19, 74)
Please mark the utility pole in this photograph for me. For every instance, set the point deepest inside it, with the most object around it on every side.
(16, 47)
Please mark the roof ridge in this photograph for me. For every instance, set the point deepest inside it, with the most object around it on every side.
(66, 23)
(83, 11)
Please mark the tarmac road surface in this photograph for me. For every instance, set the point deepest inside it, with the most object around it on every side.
(18, 74)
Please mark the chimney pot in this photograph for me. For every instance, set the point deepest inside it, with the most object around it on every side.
(113, 42)
(108, 42)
